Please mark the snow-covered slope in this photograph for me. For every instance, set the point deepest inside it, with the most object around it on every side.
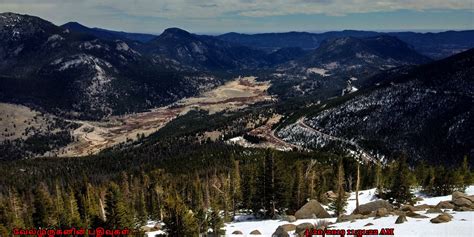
(461, 225)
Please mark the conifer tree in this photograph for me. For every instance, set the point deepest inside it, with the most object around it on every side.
(270, 185)
(179, 220)
(340, 203)
(116, 209)
(44, 215)
(16, 209)
(235, 186)
(378, 175)
(466, 172)
(428, 184)
(215, 221)
(59, 206)
(400, 192)
(142, 215)
(71, 208)
(202, 220)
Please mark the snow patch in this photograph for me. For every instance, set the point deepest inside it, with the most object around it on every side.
(122, 46)
(54, 37)
(461, 225)
(321, 71)
(331, 65)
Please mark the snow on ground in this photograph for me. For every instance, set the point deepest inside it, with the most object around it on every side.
(321, 71)
(155, 233)
(435, 200)
(461, 225)
(365, 196)
(151, 224)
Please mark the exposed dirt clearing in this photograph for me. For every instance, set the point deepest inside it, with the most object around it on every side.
(95, 136)
(16, 120)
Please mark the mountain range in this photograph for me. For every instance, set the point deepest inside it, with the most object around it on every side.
(79, 75)
(108, 34)
(82, 72)
(399, 98)
(433, 45)
(425, 112)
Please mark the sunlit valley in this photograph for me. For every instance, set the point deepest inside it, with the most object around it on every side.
(268, 134)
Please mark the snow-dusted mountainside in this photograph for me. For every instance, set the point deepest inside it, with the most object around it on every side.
(434, 45)
(427, 114)
(108, 34)
(326, 71)
(460, 225)
(359, 56)
(79, 75)
(200, 52)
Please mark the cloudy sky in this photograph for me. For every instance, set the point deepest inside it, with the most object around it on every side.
(218, 16)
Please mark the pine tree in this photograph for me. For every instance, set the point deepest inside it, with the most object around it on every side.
(270, 186)
(428, 184)
(142, 215)
(400, 192)
(179, 220)
(236, 190)
(357, 185)
(59, 206)
(215, 221)
(202, 221)
(466, 173)
(378, 175)
(16, 209)
(44, 214)
(116, 209)
(298, 188)
(340, 203)
(71, 209)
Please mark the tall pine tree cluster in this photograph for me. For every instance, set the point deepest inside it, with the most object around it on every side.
(197, 189)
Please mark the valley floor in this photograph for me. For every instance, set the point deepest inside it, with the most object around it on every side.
(90, 137)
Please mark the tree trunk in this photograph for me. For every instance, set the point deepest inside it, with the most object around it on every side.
(357, 186)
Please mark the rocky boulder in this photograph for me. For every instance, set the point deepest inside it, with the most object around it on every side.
(367, 208)
(457, 195)
(301, 228)
(279, 232)
(434, 210)
(352, 217)
(445, 205)
(415, 215)
(288, 227)
(409, 208)
(423, 207)
(255, 232)
(289, 218)
(401, 219)
(471, 197)
(441, 218)
(462, 202)
(381, 212)
(463, 209)
(312, 209)
(237, 232)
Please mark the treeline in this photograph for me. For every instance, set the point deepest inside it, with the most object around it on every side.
(194, 188)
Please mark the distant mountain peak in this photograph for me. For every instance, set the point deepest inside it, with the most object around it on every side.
(175, 32)
(74, 24)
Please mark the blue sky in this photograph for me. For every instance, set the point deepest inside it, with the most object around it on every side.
(250, 16)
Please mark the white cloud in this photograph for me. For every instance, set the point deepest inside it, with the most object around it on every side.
(221, 8)
(126, 14)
